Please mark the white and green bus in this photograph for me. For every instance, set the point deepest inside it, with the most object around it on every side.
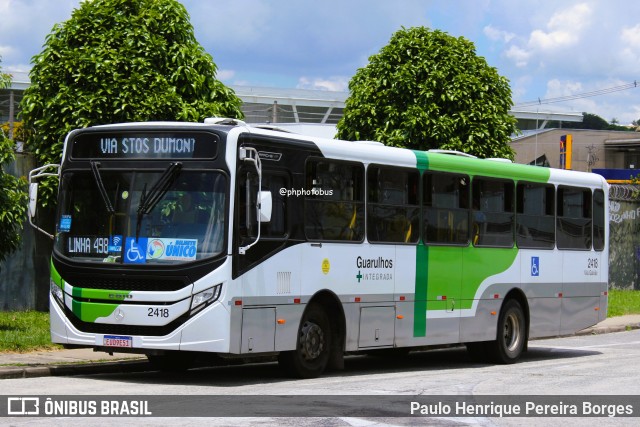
(217, 240)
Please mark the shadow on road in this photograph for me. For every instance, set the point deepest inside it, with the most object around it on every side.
(359, 365)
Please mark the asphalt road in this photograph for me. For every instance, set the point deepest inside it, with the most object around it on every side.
(580, 365)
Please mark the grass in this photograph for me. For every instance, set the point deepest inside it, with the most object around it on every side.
(24, 331)
(623, 302)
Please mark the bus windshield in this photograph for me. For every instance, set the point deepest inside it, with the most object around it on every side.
(167, 216)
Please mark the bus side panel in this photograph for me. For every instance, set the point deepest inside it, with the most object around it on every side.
(488, 274)
(445, 269)
(581, 290)
(482, 324)
(405, 288)
(543, 288)
(208, 331)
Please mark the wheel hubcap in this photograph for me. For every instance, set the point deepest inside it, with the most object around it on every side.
(512, 332)
(311, 341)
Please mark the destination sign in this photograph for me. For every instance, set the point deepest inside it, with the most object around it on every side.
(147, 145)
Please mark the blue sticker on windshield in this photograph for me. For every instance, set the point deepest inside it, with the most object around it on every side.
(115, 244)
(65, 224)
(135, 252)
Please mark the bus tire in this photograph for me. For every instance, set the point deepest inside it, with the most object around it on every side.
(511, 336)
(313, 345)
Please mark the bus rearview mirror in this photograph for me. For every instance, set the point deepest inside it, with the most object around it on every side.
(33, 199)
(265, 205)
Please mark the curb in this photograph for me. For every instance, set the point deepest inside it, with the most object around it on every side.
(608, 329)
(14, 372)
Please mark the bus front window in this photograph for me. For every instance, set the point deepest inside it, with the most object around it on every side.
(130, 220)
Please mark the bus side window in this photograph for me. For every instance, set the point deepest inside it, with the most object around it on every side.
(277, 227)
(334, 200)
(446, 208)
(598, 220)
(393, 209)
(246, 197)
(535, 218)
(493, 212)
(574, 222)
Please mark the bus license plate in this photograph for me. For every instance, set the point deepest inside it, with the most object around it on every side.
(117, 341)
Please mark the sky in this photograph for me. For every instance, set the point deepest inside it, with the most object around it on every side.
(548, 49)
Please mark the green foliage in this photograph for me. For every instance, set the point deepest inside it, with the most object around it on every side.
(427, 89)
(590, 121)
(13, 202)
(13, 196)
(5, 79)
(119, 61)
(24, 331)
(634, 181)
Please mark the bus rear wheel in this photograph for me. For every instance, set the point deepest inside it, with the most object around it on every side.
(310, 358)
(511, 338)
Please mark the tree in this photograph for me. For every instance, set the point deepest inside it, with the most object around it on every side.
(427, 89)
(5, 79)
(118, 61)
(590, 121)
(13, 196)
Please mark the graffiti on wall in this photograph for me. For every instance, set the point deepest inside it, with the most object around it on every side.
(624, 244)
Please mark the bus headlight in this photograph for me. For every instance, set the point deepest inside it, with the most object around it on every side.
(205, 297)
(57, 293)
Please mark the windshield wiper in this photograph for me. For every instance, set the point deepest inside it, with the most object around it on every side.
(103, 191)
(149, 200)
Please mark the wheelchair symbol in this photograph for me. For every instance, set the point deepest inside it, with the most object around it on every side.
(135, 251)
(535, 266)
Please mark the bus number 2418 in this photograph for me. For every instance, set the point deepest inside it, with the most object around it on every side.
(157, 312)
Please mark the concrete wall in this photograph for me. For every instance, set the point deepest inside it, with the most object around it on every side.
(24, 275)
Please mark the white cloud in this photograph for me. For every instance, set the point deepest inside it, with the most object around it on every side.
(563, 29)
(519, 56)
(497, 35)
(631, 36)
(540, 40)
(336, 84)
(557, 88)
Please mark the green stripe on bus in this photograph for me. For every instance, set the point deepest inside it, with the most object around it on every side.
(55, 276)
(421, 289)
(490, 168)
(89, 312)
(422, 262)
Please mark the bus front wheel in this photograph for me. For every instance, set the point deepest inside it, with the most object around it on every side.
(310, 358)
